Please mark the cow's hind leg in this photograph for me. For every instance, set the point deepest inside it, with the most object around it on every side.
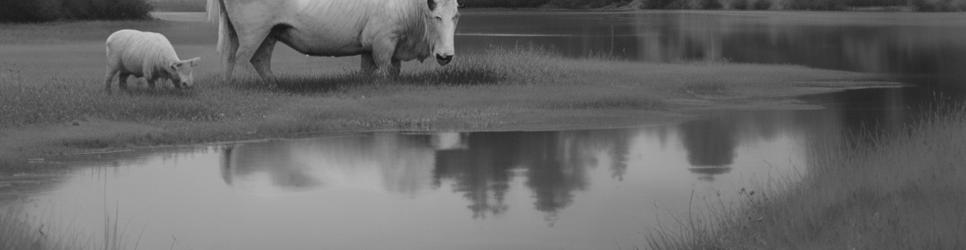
(249, 41)
(262, 60)
(229, 57)
(228, 46)
(367, 64)
(395, 68)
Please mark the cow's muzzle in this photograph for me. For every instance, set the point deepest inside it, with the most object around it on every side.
(443, 59)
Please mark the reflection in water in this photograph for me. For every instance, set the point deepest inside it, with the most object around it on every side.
(480, 165)
(269, 159)
(711, 146)
(709, 142)
(534, 190)
(553, 163)
(401, 161)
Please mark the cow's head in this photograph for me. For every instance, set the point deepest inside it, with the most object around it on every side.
(182, 72)
(445, 16)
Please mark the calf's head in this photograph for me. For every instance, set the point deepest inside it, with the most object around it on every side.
(445, 16)
(182, 72)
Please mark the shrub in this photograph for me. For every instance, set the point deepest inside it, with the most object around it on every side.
(181, 5)
(739, 4)
(709, 4)
(29, 10)
(936, 5)
(816, 4)
(761, 5)
(503, 3)
(586, 3)
(871, 3)
(656, 4)
(666, 4)
(49, 10)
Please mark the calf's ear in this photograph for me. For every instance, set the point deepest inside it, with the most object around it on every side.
(193, 62)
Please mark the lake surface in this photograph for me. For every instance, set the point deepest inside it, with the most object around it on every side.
(581, 189)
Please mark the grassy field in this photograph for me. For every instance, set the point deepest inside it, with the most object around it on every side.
(899, 191)
(53, 102)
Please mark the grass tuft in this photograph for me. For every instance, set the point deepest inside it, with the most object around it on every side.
(893, 191)
(19, 231)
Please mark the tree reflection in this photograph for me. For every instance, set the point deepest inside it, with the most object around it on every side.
(480, 173)
(553, 163)
(480, 166)
(710, 146)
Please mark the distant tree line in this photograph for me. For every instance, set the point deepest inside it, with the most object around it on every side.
(543, 3)
(916, 5)
(50, 10)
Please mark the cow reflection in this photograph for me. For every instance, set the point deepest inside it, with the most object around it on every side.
(391, 162)
(274, 161)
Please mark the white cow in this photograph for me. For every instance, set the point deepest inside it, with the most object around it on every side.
(148, 55)
(383, 32)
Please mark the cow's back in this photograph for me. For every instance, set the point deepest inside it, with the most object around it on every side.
(324, 27)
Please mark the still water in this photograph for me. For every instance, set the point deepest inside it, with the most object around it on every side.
(582, 189)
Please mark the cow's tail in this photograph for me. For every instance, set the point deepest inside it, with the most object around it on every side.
(226, 32)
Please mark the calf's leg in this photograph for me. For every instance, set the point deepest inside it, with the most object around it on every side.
(122, 80)
(109, 78)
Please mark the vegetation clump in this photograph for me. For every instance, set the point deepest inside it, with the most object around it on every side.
(902, 190)
(52, 10)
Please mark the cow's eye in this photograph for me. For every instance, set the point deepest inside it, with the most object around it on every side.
(439, 18)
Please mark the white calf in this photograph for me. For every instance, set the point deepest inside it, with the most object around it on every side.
(148, 55)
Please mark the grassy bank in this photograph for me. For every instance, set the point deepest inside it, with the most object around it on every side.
(898, 191)
(53, 102)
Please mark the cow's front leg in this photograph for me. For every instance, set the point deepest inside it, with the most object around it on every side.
(382, 54)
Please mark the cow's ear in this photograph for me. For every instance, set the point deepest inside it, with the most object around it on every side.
(432, 4)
